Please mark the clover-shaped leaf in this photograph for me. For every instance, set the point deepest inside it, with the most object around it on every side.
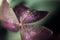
(15, 20)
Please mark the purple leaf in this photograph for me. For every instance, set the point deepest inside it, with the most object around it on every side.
(7, 17)
(35, 33)
(29, 15)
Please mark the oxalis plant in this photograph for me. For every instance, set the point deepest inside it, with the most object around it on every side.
(20, 17)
